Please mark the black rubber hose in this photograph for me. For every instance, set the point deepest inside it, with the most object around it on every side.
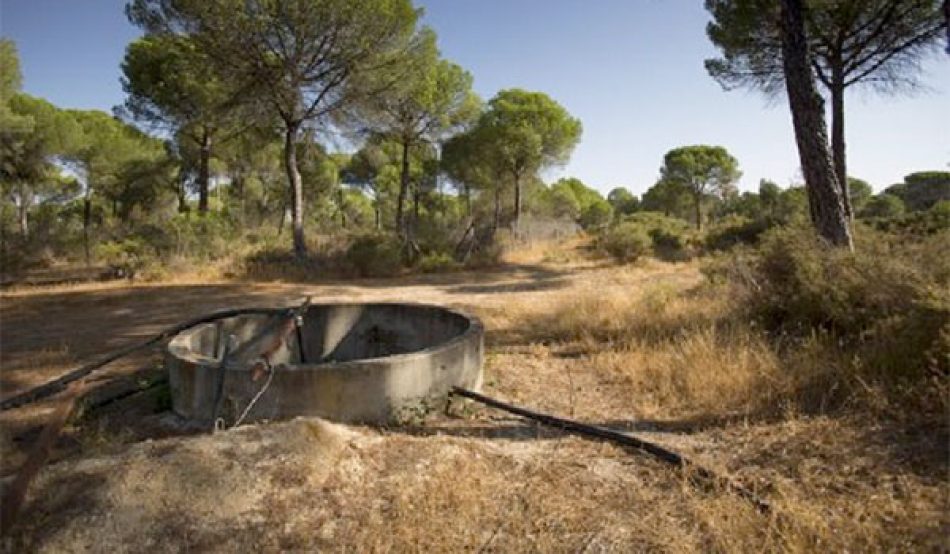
(697, 472)
(57, 385)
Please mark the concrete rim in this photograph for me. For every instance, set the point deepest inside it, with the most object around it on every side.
(475, 326)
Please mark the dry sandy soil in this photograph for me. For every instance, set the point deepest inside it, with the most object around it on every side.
(474, 480)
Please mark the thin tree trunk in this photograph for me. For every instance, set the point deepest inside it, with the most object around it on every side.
(517, 208)
(204, 172)
(401, 227)
(182, 199)
(23, 210)
(24, 220)
(3, 244)
(181, 190)
(837, 140)
(467, 193)
(377, 222)
(86, 220)
(698, 205)
(342, 210)
(238, 181)
(824, 193)
(415, 205)
(497, 219)
(296, 189)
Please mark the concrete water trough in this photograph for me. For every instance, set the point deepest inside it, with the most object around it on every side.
(372, 363)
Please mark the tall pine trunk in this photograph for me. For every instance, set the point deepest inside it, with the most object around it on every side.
(837, 140)
(824, 193)
(296, 188)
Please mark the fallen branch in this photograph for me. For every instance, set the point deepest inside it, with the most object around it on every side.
(14, 495)
(697, 473)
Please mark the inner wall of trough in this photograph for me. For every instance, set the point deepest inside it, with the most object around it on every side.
(343, 333)
(207, 340)
(338, 333)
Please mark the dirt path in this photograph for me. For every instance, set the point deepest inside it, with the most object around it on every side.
(44, 332)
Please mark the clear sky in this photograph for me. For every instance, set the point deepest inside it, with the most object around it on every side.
(631, 70)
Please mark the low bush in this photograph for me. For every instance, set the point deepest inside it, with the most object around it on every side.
(486, 255)
(596, 216)
(888, 302)
(934, 220)
(626, 242)
(125, 258)
(735, 230)
(375, 255)
(883, 205)
(670, 238)
(209, 236)
(436, 262)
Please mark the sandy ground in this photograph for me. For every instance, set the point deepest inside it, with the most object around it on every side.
(45, 332)
(476, 480)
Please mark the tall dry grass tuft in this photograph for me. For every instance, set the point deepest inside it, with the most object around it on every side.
(703, 353)
(883, 309)
(677, 354)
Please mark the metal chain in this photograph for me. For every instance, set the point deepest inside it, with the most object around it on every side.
(270, 377)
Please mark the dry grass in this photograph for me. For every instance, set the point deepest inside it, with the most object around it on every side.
(642, 348)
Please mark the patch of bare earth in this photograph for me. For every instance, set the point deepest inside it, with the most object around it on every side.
(635, 348)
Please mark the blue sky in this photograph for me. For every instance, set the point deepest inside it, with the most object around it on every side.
(631, 70)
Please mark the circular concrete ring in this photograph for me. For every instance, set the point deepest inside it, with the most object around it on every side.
(372, 363)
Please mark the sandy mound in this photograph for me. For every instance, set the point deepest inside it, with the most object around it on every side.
(159, 495)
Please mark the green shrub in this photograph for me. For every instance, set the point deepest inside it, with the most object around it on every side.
(939, 213)
(437, 262)
(432, 235)
(487, 254)
(158, 238)
(626, 241)
(656, 220)
(125, 257)
(889, 300)
(597, 215)
(209, 236)
(883, 205)
(734, 230)
(375, 255)
(934, 220)
(671, 238)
